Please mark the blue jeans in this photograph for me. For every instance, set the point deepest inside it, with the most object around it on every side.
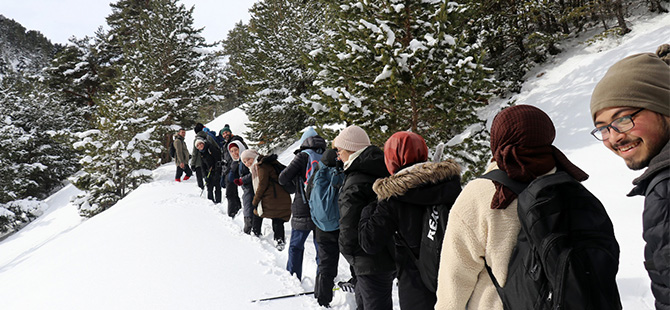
(295, 251)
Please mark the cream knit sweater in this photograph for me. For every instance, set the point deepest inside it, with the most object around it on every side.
(476, 232)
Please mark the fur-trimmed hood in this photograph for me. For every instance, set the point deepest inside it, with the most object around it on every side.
(416, 176)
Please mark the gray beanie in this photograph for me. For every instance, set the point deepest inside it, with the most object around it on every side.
(352, 138)
(639, 81)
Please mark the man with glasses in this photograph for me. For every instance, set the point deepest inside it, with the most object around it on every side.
(630, 107)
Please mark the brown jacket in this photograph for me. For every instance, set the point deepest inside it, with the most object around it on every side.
(181, 153)
(274, 200)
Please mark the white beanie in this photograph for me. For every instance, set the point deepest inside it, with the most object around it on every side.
(352, 138)
(250, 153)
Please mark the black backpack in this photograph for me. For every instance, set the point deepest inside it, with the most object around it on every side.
(566, 256)
(173, 150)
(432, 233)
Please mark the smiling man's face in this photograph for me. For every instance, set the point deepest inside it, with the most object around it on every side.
(640, 144)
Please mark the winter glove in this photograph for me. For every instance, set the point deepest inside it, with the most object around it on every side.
(348, 286)
(238, 182)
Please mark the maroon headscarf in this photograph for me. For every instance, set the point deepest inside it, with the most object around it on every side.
(521, 143)
(404, 148)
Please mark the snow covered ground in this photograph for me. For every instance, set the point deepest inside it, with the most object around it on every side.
(166, 247)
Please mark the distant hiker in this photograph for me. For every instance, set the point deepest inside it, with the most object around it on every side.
(323, 190)
(181, 156)
(270, 199)
(306, 158)
(484, 225)
(408, 202)
(363, 165)
(239, 175)
(224, 139)
(630, 107)
(211, 164)
(196, 159)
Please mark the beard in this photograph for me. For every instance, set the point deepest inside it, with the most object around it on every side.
(654, 150)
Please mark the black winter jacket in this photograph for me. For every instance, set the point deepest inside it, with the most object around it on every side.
(654, 184)
(403, 200)
(355, 194)
(301, 218)
(211, 158)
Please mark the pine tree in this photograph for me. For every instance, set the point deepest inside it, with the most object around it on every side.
(396, 65)
(161, 71)
(272, 67)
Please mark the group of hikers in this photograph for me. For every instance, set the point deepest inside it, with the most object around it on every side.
(525, 235)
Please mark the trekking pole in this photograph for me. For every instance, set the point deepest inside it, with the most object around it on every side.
(289, 295)
(207, 177)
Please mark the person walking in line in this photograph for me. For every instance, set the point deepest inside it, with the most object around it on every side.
(270, 199)
(630, 107)
(224, 139)
(414, 187)
(363, 165)
(196, 159)
(483, 223)
(323, 190)
(240, 176)
(211, 164)
(297, 172)
(181, 156)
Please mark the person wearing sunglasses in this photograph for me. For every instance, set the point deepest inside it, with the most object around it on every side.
(630, 108)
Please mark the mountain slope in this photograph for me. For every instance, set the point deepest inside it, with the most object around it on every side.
(165, 247)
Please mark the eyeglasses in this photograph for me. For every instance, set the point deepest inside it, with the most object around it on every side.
(620, 125)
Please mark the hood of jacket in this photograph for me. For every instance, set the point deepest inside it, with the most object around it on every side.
(421, 175)
(267, 159)
(370, 161)
(240, 146)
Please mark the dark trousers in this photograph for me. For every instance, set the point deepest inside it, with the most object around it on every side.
(214, 186)
(412, 293)
(296, 249)
(278, 229)
(256, 224)
(234, 203)
(198, 177)
(180, 171)
(328, 251)
(373, 291)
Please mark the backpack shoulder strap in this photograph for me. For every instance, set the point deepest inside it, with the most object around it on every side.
(501, 177)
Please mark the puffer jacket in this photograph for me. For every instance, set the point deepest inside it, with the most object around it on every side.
(654, 184)
(275, 201)
(301, 218)
(181, 150)
(403, 199)
(355, 194)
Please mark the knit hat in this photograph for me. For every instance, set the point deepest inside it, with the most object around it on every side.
(352, 138)
(638, 81)
(250, 153)
(198, 141)
(198, 127)
(226, 127)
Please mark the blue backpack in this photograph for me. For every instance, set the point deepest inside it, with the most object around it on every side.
(325, 189)
(313, 162)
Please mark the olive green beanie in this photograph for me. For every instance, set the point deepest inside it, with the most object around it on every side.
(640, 81)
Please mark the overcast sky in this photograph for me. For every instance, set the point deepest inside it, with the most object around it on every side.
(58, 20)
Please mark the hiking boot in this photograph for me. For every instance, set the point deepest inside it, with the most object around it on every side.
(280, 244)
(186, 178)
(178, 180)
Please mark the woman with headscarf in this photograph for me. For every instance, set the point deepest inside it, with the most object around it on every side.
(483, 223)
(415, 186)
